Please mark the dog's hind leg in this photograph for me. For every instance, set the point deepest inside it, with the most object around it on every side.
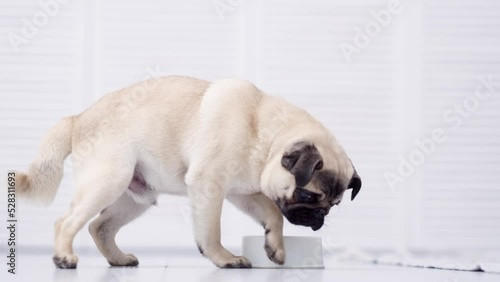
(104, 228)
(100, 182)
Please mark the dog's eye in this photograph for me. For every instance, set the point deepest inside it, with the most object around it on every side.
(319, 165)
(305, 196)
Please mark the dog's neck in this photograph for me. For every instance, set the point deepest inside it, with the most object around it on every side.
(282, 123)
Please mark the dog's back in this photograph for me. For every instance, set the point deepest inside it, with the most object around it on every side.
(141, 108)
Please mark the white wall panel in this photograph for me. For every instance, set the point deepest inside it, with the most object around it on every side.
(392, 92)
(39, 84)
(460, 193)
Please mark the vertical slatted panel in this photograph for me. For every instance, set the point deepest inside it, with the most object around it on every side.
(292, 51)
(460, 194)
(181, 37)
(138, 40)
(300, 59)
(39, 84)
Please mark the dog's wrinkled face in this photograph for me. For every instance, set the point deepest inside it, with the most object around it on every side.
(318, 187)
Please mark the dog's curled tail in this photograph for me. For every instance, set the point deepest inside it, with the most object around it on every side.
(41, 180)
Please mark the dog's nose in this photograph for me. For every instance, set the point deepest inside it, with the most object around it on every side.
(319, 213)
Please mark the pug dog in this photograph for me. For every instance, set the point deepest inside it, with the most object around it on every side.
(184, 136)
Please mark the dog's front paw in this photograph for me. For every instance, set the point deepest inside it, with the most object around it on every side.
(66, 261)
(127, 260)
(276, 255)
(237, 262)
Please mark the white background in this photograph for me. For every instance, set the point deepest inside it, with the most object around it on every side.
(395, 90)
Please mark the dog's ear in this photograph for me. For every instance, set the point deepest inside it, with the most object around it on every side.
(354, 184)
(301, 161)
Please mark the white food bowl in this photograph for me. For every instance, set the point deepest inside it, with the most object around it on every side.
(301, 252)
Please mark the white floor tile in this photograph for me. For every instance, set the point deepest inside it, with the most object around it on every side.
(191, 267)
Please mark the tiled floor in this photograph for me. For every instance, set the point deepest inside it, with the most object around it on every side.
(191, 267)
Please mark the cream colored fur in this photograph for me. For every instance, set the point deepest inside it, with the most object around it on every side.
(186, 136)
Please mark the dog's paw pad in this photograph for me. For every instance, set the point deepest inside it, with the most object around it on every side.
(276, 255)
(65, 262)
(127, 260)
(238, 262)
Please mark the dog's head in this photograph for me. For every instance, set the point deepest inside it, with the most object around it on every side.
(308, 179)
